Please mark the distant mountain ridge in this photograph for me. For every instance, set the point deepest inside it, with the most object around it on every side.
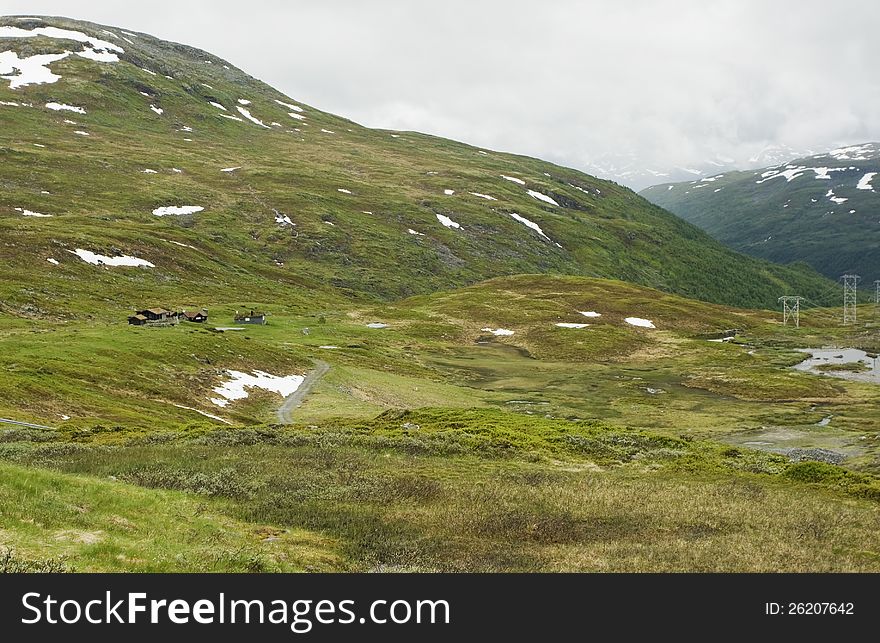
(633, 172)
(823, 209)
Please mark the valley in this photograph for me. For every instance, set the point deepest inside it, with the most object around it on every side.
(472, 360)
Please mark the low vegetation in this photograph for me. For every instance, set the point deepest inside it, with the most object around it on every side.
(439, 490)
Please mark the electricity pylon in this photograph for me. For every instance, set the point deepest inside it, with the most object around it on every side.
(850, 285)
(791, 309)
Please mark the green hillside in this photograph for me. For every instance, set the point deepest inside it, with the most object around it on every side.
(822, 210)
(316, 204)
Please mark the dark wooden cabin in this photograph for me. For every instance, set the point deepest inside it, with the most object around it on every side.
(251, 318)
(196, 316)
(154, 317)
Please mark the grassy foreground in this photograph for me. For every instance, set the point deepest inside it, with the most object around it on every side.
(436, 490)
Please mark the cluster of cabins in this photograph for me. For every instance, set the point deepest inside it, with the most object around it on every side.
(162, 317)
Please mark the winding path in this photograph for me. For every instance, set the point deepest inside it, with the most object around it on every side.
(296, 398)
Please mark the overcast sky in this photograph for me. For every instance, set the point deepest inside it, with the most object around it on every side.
(671, 82)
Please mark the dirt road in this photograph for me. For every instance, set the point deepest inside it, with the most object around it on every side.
(295, 399)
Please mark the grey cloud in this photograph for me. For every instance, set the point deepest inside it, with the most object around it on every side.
(667, 83)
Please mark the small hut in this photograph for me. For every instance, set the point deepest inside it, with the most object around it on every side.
(251, 318)
(195, 316)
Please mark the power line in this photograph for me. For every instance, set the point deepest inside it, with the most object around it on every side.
(850, 299)
(791, 308)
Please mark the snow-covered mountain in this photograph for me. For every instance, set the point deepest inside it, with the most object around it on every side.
(823, 209)
(638, 174)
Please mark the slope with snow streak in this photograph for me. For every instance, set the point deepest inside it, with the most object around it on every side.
(34, 70)
(531, 224)
(542, 197)
(293, 167)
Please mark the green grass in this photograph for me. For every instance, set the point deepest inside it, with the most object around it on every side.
(83, 524)
(443, 490)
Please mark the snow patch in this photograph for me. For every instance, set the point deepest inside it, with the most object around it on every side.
(484, 196)
(448, 192)
(230, 169)
(343, 190)
(149, 171)
(295, 108)
(206, 414)
(570, 325)
(413, 232)
(449, 223)
(377, 325)
(791, 172)
(34, 70)
(102, 260)
(177, 210)
(243, 101)
(865, 181)
(498, 332)
(29, 213)
(531, 224)
(54, 262)
(638, 321)
(98, 56)
(542, 197)
(239, 382)
(513, 179)
(853, 152)
(590, 313)
(158, 110)
(283, 219)
(250, 117)
(218, 106)
(61, 107)
(182, 245)
(835, 199)
(81, 133)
